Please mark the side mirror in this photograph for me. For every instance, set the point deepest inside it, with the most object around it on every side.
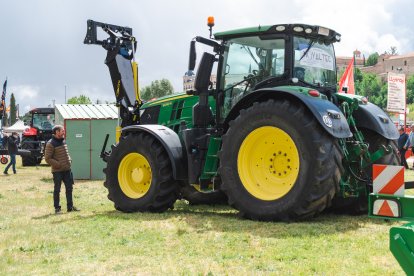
(202, 79)
(192, 57)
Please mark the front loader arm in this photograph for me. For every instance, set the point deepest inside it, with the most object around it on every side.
(120, 46)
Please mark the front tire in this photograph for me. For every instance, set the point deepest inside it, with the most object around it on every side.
(359, 205)
(277, 163)
(139, 175)
(27, 144)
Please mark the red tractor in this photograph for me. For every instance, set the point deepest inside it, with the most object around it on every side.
(35, 138)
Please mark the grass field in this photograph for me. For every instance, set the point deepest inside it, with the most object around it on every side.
(189, 240)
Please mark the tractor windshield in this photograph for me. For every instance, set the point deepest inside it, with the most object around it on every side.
(43, 121)
(314, 62)
(248, 61)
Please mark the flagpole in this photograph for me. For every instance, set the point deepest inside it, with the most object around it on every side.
(3, 99)
(405, 107)
(353, 72)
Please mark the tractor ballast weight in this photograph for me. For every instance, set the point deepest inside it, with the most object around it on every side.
(390, 202)
(272, 134)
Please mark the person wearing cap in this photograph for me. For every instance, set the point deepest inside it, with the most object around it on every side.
(12, 142)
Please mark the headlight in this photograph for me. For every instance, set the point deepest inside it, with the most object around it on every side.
(298, 29)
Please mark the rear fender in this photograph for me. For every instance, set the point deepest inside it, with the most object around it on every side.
(171, 143)
(372, 117)
(328, 115)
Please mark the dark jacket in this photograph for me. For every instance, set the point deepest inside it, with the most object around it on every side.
(12, 143)
(402, 140)
(57, 155)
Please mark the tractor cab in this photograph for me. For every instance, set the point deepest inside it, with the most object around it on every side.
(289, 56)
(41, 123)
(274, 56)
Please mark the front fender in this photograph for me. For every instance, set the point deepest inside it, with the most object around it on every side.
(328, 115)
(171, 143)
(371, 117)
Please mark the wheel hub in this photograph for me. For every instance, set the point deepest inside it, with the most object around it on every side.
(279, 164)
(134, 175)
(268, 163)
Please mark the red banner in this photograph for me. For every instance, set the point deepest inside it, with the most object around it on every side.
(346, 83)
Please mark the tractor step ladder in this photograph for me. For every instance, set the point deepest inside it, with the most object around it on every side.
(388, 201)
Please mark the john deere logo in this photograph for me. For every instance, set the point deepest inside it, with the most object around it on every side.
(327, 121)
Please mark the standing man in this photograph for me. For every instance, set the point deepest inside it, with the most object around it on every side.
(401, 149)
(12, 143)
(57, 156)
(410, 140)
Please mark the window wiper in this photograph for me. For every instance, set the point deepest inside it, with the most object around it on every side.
(310, 45)
(252, 56)
(246, 79)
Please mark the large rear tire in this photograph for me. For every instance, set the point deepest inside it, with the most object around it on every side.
(359, 205)
(27, 144)
(139, 175)
(277, 163)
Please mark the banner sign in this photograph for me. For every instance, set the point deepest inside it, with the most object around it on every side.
(396, 93)
(317, 58)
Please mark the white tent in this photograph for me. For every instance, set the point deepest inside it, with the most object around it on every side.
(18, 127)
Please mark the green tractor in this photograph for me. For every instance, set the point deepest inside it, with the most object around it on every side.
(272, 135)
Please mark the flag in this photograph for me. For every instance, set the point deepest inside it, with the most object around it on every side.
(347, 79)
(3, 96)
(3, 100)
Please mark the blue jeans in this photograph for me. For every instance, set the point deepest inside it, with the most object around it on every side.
(12, 162)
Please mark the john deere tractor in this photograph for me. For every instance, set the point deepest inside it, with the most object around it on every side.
(273, 135)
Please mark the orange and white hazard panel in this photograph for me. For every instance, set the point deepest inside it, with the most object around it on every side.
(386, 208)
(388, 180)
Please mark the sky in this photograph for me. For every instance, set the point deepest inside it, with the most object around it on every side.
(42, 52)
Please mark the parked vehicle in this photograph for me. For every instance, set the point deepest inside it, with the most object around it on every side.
(274, 135)
(34, 139)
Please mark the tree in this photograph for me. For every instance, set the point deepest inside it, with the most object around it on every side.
(392, 51)
(372, 87)
(82, 99)
(13, 109)
(410, 90)
(372, 59)
(26, 118)
(156, 89)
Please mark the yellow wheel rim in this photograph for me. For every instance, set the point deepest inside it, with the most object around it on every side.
(134, 175)
(268, 163)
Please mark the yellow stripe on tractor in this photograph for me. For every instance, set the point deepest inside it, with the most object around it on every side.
(136, 84)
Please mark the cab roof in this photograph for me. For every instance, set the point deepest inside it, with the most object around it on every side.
(311, 31)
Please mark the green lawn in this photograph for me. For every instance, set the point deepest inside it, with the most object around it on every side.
(189, 240)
